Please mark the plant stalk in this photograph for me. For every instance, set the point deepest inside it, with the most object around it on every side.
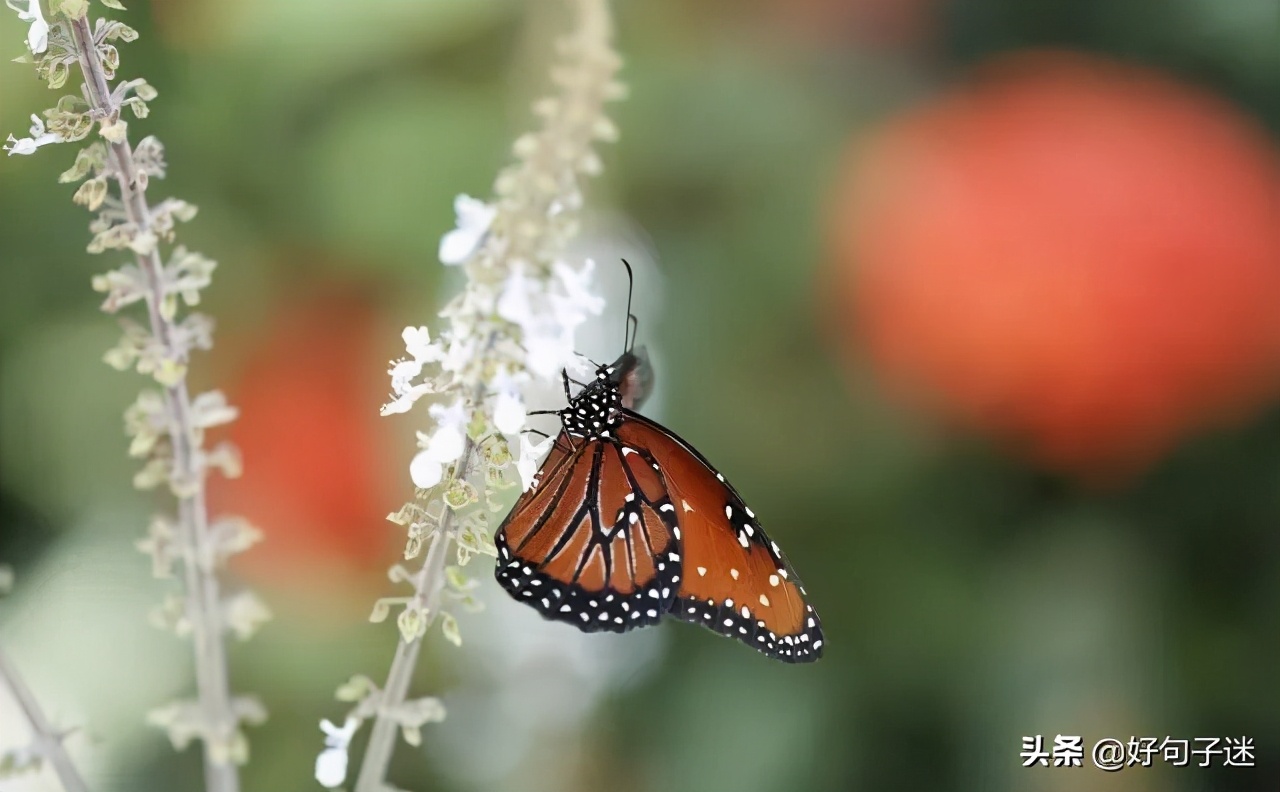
(427, 584)
(47, 742)
(203, 600)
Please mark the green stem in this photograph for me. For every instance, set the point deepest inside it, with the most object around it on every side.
(203, 601)
(427, 584)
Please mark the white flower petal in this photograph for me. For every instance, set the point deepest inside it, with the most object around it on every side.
(23, 146)
(509, 413)
(39, 137)
(460, 352)
(331, 767)
(403, 373)
(457, 246)
(474, 219)
(530, 453)
(404, 401)
(417, 342)
(38, 33)
(513, 303)
(575, 286)
(546, 355)
(446, 444)
(453, 415)
(425, 470)
(339, 736)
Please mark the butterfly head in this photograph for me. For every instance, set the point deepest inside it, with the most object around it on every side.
(633, 376)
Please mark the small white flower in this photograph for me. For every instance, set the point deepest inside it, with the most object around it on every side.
(417, 342)
(530, 453)
(331, 764)
(453, 418)
(575, 284)
(460, 353)
(404, 401)
(549, 349)
(39, 137)
(474, 219)
(509, 412)
(513, 303)
(425, 470)
(444, 445)
(548, 314)
(38, 33)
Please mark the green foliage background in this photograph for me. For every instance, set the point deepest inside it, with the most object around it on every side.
(968, 600)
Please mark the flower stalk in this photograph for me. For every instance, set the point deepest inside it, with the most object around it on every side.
(167, 426)
(512, 325)
(46, 743)
(203, 604)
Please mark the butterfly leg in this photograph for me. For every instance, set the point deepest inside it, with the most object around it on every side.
(544, 434)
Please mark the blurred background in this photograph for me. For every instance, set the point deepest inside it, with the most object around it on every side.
(977, 302)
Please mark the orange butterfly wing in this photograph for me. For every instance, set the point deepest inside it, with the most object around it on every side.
(735, 580)
(593, 541)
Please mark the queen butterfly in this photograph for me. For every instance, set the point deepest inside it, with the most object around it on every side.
(625, 522)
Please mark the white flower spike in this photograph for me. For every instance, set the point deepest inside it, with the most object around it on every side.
(512, 324)
(28, 145)
(474, 219)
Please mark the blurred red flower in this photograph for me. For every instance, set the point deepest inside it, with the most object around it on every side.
(317, 463)
(1077, 256)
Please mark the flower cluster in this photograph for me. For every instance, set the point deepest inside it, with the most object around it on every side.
(166, 424)
(512, 325)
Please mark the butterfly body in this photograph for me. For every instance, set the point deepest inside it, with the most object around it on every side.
(625, 523)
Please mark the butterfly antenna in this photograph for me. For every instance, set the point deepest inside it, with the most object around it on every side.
(628, 337)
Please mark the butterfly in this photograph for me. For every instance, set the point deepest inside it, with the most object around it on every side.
(626, 523)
